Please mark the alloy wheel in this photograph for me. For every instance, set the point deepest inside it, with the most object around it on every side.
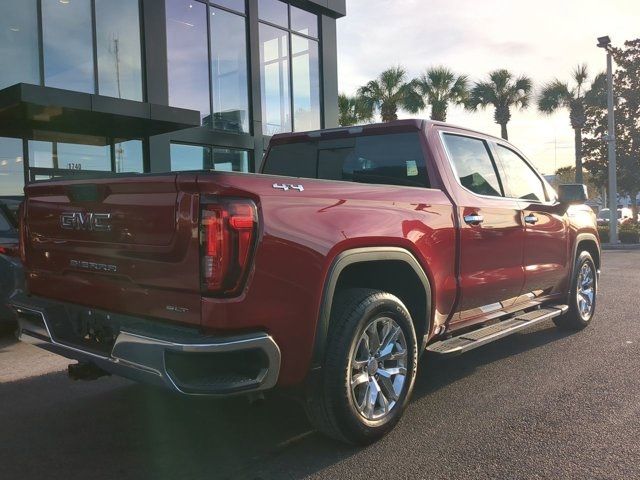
(585, 290)
(378, 368)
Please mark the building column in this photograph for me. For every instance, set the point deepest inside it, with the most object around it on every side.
(329, 45)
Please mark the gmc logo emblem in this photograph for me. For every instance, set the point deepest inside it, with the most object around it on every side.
(93, 222)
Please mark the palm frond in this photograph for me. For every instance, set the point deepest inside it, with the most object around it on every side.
(554, 95)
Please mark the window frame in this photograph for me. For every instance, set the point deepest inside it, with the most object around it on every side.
(290, 32)
(94, 48)
(212, 147)
(492, 158)
(548, 197)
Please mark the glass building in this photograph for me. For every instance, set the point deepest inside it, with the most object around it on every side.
(159, 85)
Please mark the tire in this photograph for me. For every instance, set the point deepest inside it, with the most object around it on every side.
(358, 317)
(581, 310)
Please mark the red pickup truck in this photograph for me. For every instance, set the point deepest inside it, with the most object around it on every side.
(354, 251)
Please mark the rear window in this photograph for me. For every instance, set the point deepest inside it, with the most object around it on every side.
(395, 159)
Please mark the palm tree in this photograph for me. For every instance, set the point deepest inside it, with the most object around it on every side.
(353, 110)
(439, 86)
(390, 92)
(503, 91)
(556, 95)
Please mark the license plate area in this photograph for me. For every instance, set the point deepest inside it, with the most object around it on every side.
(86, 329)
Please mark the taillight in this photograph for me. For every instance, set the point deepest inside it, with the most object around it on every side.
(227, 233)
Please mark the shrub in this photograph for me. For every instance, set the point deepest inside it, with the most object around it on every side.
(629, 232)
(603, 231)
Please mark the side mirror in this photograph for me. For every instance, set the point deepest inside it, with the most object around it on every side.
(572, 194)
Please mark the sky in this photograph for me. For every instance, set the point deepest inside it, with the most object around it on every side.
(543, 39)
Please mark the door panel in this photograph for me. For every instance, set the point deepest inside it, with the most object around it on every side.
(491, 274)
(546, 228)
(545, 249)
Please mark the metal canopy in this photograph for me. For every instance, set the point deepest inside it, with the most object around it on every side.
(45, 113)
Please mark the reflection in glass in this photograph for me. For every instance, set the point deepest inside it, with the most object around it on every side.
(273, 11)
(118, 46)
(19, 59)
(306, 83)
(128, 156)
(229, 71)
(68, 45)
(274, 74)
(187, 55)
(190, 157)
(228, 160)
(237, 5)
(11, 166)
(304, 22)
(69, 156)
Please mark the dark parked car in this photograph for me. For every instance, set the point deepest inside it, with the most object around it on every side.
(11, 272)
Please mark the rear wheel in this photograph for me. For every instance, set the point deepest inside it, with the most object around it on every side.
(369, 369)
(582, 298)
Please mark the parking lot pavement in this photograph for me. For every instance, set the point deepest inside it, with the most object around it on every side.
(541, 404)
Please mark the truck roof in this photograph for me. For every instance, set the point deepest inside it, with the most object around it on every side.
(372, 129)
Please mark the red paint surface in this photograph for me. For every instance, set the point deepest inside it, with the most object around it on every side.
(154, 243)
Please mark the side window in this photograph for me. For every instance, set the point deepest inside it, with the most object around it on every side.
(473, 164)
(519, 180)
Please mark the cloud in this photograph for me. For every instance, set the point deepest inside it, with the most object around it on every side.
(545, 39)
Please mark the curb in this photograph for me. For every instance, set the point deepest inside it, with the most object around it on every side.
(621, 246)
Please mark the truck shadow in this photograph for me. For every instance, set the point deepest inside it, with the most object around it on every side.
(56, 428)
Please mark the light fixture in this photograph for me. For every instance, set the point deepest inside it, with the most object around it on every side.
(3, 163)
(604, 42)
(13, 28)
(65, 2)
(18, 159)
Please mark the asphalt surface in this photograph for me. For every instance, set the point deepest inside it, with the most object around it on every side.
(541, 404)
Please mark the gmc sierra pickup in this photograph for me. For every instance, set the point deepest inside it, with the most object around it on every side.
(354, 251)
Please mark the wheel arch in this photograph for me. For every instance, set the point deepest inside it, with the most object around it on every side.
(352, 265)
(586, 242)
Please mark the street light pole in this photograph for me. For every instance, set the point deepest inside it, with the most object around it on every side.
(605, 42)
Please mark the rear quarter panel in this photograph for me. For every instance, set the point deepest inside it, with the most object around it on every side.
(301, 233)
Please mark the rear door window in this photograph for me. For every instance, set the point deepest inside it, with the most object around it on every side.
(395, 159)
(473, 164)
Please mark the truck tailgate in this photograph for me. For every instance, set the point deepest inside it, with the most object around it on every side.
(126, 244)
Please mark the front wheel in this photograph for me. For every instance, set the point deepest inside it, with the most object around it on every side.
(582, 298)
(369, 369)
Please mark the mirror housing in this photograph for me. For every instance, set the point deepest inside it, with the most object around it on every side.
(572, 194)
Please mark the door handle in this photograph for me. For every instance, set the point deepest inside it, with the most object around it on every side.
(474, 219)
(531, 219)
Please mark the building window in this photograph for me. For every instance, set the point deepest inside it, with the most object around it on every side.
(187, 55)
(273, 11)
(68, 45)
(11, 166)
(58, 159)
(19, 59)
(128, 156)
(204, 157)
(306, 83)
(118, 47)
(229, 71)
(68, 40)
(192, 72)
(237, 5)
(69, 156)
(274, 78)
(289, 68)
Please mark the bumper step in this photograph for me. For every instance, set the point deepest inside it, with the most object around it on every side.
(476, 338)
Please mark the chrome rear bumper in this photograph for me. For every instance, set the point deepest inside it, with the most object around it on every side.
(191, 367)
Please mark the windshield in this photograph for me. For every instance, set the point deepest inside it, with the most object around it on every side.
(394, 159)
